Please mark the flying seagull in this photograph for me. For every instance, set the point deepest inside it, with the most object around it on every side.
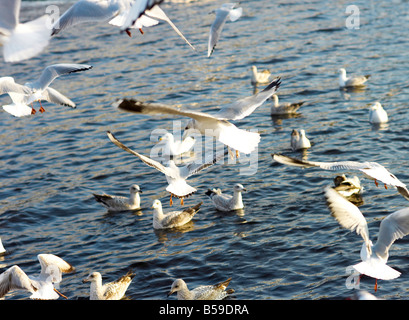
(371, 170)
(216, 125)
(175, 176)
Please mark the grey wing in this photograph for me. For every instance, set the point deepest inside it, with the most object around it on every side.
(194, 167)
(393, 227)
(216, 29)
(86, 11)
(52, 95)
(7, 85)
(9, 15)
(136, 106)
(356, 81)
(244, 107)
(15, 278)
(150, 162)
(137, 9)
(335, 166)
(222, 200)
(53, 71)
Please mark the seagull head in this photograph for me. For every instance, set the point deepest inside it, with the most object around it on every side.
(239, 187)
(135, 189)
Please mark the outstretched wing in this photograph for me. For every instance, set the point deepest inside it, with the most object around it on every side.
(244, 107)
(150, 162)
(136, 106)
(86, 11)
(52, 95)
(347, 214)
(53, 71)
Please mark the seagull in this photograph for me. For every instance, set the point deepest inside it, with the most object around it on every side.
(345, 82)
(377, 114)
(175, 176)
(137, 9)
(114, 290)
(206, 292)
(216, 125)
(21, 41)
(371, 170)
(347, 186)
(89, 11)
(227, 10)
(226, 202)
(118, 12)
(119, 203)
(299, 140)
(2, 249)
(41, 287)
(40, 90)
(284, 108)
(260, 76)
(174, 147)
(172, 219)
(374, 256)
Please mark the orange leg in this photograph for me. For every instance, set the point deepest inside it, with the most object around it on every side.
(181, 201)
(386, 187)
(60, 294)
(141, 31)
(33, 111)
(376, 182)
(128, 33)
(171, 201)
(376, 284)
(41, 107)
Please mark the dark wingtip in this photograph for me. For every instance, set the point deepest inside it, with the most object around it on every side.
(275, 83)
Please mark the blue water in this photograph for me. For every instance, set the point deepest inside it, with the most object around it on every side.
(284, 244)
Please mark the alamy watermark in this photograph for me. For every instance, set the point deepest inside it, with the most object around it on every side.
(352, 281)
(353, 20)
(204, 149)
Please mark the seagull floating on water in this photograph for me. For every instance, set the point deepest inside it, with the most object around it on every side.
(172, 219)
(21, 41)
(40, 90)
(216, 125)
(374, 256)
(260, 76)
(175, 176)
(227, 202)
(227, 10)
(41, 287)
(119, 203)
(205, 292)
(347, 186)
(284, 108)
(348, 82)
(114, 290)
(299, 140)
(371, 170)
(377, 114)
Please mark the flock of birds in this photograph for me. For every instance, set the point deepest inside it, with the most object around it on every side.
(25, 40)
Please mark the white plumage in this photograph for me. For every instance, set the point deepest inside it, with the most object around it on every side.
(172, 219)
(205, 292)
(41, 287)
(39, 89)
(350, 82)
(377, 114)
(120, 203)
(21, 41)
(227, 202)
(114, 290)
(257, 77)
(299, 140)
(374, 256)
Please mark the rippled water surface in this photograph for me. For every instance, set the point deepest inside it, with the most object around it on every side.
(284, 244)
